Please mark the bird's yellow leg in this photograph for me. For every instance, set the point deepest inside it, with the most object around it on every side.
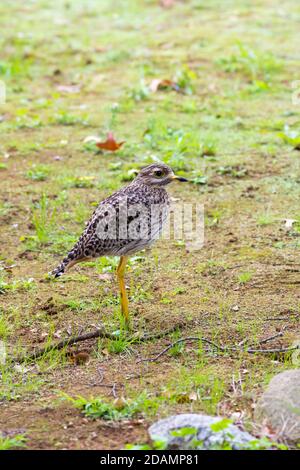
(124, 298)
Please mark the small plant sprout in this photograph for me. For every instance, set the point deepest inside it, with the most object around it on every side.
(245, 277)
(15, 442)
(117, 410)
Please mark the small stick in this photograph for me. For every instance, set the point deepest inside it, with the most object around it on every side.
(189, 338)
(263, 341)
(221, 348)
(113, 391)
(270, 351)
(161, 334)
(61, 344)
(270, 338)
(292, 317)
(101, 333)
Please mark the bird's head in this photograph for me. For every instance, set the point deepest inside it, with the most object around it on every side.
(157, 174)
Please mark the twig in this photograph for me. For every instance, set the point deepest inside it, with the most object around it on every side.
(189, 338)
(292, 317)
(100, 372)
(270, 338)
(161, 334)
(62, 344)
(270, 351)
(113, 391)
(223, 348)
(100, 333)
(263, 341)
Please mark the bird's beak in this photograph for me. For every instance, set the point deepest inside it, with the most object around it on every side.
(179, 178)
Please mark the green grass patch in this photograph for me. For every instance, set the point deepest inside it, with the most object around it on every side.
(15, 442)
(118, 410)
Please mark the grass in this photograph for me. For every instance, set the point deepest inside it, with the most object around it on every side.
(9, 443)
(119, 410)
(253, 64)
(16, 385)
(4, 327)
(16, 284)
(64, 118)
(43, 216)
(119, 345)
(245, 277)
(38, 173)
(265, 219)
(229, 126)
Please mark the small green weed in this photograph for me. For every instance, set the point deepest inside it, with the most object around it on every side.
(245, 277)
(185, 78)
(234, 171)
(5, 327)
(38, 173)
(17, 441)
(43, 219)
(290, 137)
(64, 118)
(253, 64)
(118, 410)
(16, 284)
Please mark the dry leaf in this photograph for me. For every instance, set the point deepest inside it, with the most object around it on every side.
(105, 276)
(110, 143)
(183, 397)
(9, 268)
(91, 138)
(68, 88)
(167, 394)
(193, 396)
(159, 84)
(81, 358)
(120, 403)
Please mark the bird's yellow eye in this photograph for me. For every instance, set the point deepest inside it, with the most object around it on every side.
(158, 173)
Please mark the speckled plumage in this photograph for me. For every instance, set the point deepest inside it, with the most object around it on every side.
(146, 190)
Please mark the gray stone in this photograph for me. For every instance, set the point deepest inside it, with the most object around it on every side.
(279, 406)
(202, 436)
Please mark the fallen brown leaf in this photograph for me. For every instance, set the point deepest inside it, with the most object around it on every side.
(193, 396)
(68, 88)
(110, 143)
(105, 276)
(42, 337)
(120, 403)
(91, 138)
(81, 358)
(184, 397)
(163, 84)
